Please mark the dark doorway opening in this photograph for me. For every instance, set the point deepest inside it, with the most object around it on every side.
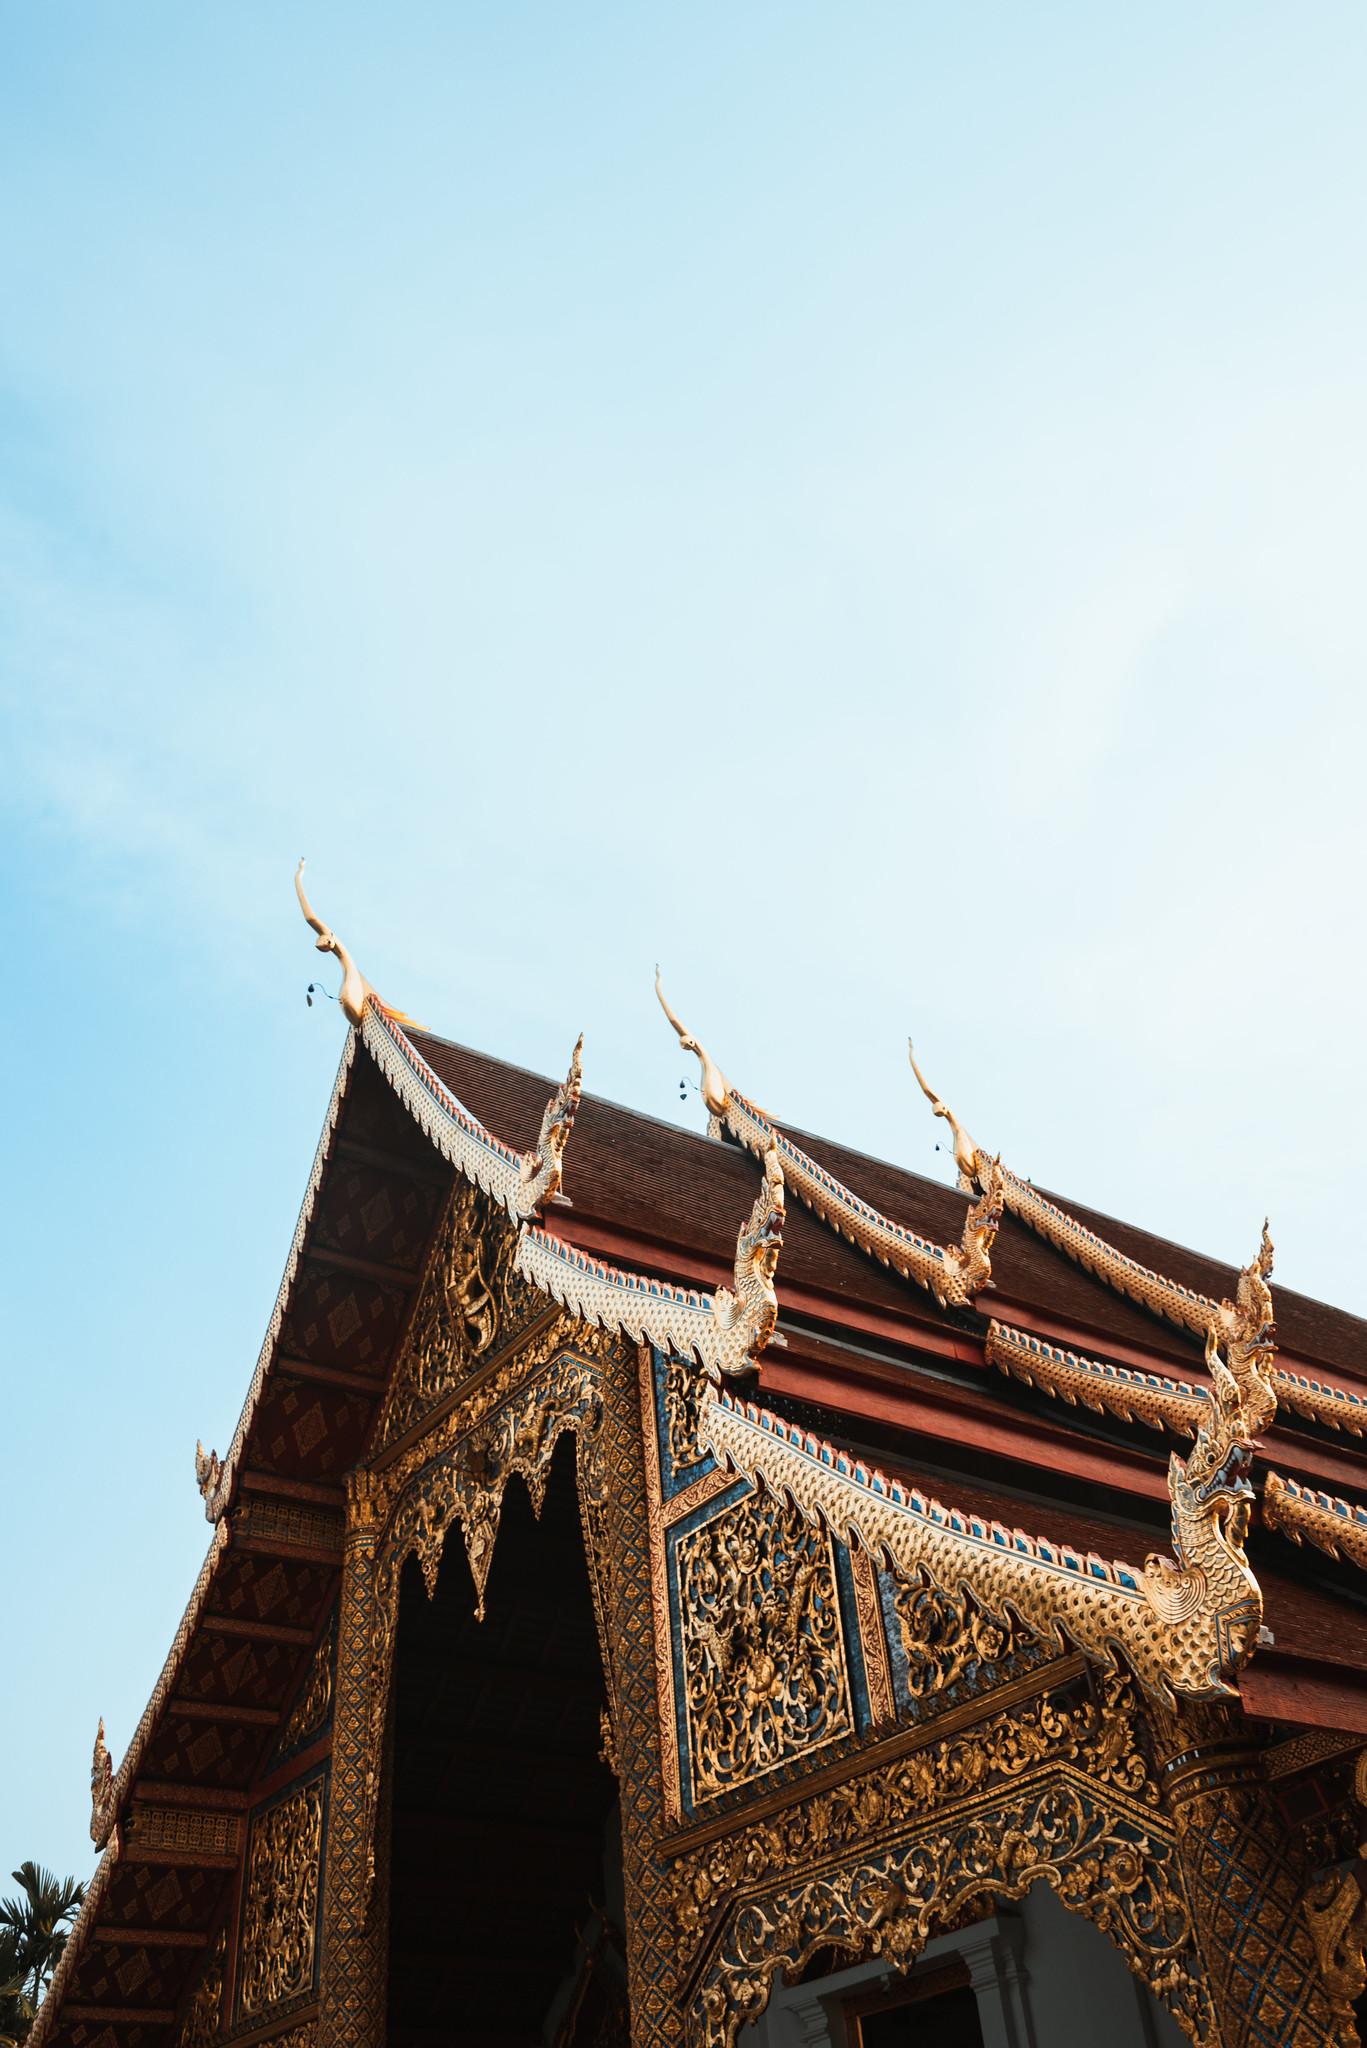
(502, 1810)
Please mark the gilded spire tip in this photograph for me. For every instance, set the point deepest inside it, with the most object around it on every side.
(716, 1090)
(967, 1155)
(355, 989)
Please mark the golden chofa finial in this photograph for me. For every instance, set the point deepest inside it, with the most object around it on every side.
(355, 991)
(716, 1090)
(967, 1157)
(355, 988)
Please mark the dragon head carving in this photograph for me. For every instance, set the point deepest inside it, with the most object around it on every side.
(1210, 1490)
(968, 1264)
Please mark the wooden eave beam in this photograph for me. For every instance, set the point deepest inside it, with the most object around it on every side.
(147, 1937)
(401, 1278)
(844, 1379)
(417, 1168)
(214, 1710)
(204, 1798)
(319, 1493)
(121, 2015)
(891, 1397)
(178, 1859)
(1277, 1685)
(249, 1545)
(256, 1631)
(371, 1385)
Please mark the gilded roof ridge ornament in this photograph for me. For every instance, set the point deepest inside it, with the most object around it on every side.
(725, 1331)
(716, 1089)
(1131, 1395)
(1168, 1299)
(208, 1477)
(520, 1182)
(355, 991)
(1306, 1515)
(969, 1157)
(355, 988)
(101, 1774)
(1156, 1399)
(1246, 1386)
(1187, 1628)
(954, 1274)
(542, 1170)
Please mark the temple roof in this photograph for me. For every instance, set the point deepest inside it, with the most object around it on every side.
(654, 1179)
(871, 1360)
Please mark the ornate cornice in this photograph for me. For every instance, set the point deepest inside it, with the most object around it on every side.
(725, 1331)
(1335, 1407)
(1118, 1390)
(110, 1788)
(954, 1274)
(1307, 1516)
(1186, 1629)
(523, 1182)
(75, 1947)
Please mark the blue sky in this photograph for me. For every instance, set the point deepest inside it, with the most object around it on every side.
(864, 505)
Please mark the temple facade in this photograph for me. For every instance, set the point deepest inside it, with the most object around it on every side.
(723, 1590)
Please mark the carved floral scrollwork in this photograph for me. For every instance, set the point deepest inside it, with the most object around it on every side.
(927, 1838)
(1336, 1912)
(468, 1488)
(313, 1706)
(280, 1912)
(203, 2015)
(471, 1302)
(1059, 1789)
(682, 1397)
(949, 1636)
(764, 1658)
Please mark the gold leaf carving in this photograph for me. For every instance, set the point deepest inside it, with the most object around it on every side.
(314, 1704)
(949, 1636)
(280, 1913)
(1059, 1790)
(764, 1657)
(681, 1397)
(184, 1828)
(471, 1303)
(205, 2010)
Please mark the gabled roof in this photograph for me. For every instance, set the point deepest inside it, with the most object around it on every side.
(653, 1181)
(872, 1356)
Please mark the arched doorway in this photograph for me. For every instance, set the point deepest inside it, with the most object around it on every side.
(505, 1846)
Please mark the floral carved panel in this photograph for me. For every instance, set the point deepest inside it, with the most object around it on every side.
(280, 1907)
(765, 1680)
(948, 1648)
(471, 1306)
(1058, 1789)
